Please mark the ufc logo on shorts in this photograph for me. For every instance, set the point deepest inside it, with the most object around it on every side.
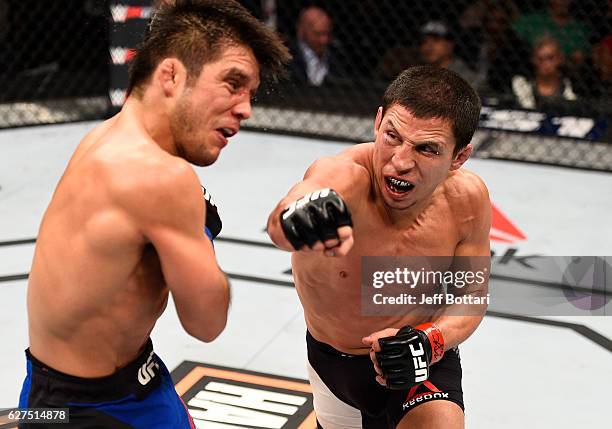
(321, 193)
(145, 372)
(208, 197)
(420, 366)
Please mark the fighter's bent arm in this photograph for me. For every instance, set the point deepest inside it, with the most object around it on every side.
(338, 173)
(445, 330)
(174, 225)
(459, 321)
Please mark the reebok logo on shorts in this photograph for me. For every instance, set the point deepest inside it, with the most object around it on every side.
(423, 398)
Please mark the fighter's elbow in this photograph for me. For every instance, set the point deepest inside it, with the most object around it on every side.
(274, 230)
(271, 227)
(208, 331)
(208, 322)
(210, 334)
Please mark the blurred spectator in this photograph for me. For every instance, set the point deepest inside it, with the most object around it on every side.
(490, 45)
(314, 62)
(438, 49)
(596, 76)
(556, 22)
(268, 13)
(395, 61)
(602, 60)
(549, 86)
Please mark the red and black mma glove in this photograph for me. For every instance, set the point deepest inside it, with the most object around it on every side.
(315, 217)
(406, 357)
(213, 221)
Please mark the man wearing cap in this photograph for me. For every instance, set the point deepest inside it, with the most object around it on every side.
(437, 49)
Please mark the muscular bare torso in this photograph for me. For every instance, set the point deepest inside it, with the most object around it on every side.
(330, 288)
(96, 287)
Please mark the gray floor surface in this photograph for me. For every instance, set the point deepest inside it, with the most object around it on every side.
(517, 372)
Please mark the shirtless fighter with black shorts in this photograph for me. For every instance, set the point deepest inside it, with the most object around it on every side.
(126, 224)
(403, 195)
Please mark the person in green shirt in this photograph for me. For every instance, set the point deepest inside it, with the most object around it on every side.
(556, 22)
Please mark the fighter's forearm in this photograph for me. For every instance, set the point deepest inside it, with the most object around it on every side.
(217, 306)
(459, 319)
(275, 230)
(205, 316)
(221, 300)
(457, 329)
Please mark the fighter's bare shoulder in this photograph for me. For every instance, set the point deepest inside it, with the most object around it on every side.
(347, 166)
(466, 183)
(154, 186)
(465, 186)
(361, 154)
(347, 172)
(468, 196)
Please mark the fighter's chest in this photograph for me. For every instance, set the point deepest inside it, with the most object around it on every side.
(426, 238)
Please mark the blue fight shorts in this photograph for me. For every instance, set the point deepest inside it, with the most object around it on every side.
(139, 395)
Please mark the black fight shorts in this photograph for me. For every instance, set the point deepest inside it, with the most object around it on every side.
(346, 394)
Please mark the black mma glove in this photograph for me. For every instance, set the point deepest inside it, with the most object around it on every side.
(213, 221)
(405, 358)
(315, 217)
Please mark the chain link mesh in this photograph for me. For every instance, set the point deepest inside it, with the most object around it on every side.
(542, 68)
(491, 43)
(56, 56)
